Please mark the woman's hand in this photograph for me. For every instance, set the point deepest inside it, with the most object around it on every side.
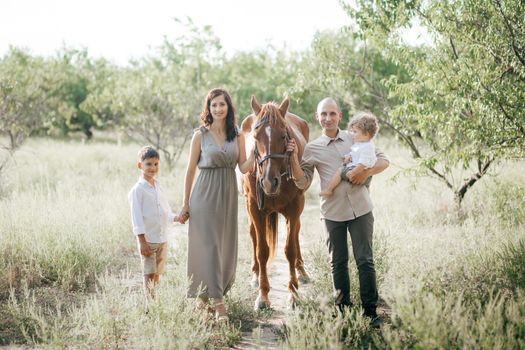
(184, 214)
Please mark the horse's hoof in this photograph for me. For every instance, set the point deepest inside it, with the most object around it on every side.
(254, 283)
(304, 279)
(261, 304)
(292, 302)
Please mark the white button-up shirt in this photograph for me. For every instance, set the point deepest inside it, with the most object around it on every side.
(363, 153)
(150, 211)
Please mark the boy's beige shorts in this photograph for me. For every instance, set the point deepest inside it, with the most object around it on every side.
(156, 262)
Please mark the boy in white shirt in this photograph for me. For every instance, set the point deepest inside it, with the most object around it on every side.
(150, 216)
(363, 127)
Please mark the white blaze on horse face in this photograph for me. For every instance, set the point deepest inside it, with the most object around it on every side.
(268, 131)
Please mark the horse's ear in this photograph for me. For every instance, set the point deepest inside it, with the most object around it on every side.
(283, 108)
(256, 107)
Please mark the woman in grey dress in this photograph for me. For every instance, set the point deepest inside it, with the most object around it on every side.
(211, 205)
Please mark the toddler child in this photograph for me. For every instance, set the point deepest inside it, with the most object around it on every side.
(362, 155)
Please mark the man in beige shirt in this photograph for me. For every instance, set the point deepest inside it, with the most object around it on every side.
(348, 209)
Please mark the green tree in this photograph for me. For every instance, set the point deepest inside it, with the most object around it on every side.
(268, 74)
(461, 105)
(329, 69)
(23, 99)
(160, 109)
(68, 77)
(102, 102)
(162, 96)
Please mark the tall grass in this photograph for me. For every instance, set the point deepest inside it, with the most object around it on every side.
(70, 276)
(60, 222)
(448, 280)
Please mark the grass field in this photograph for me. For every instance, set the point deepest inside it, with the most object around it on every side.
(70, 276)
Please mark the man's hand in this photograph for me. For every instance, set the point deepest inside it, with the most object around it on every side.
(297, 172)
(359, 178)
(358, 175)
(291, 147)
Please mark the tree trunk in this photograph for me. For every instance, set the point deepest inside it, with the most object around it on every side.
(459, 195)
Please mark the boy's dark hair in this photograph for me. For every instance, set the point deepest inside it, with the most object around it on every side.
(365, 121)
(148, 152)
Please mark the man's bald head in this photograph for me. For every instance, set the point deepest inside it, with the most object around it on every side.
(327, 101)
(329, 115)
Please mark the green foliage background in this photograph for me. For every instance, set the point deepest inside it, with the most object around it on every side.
(451, 108)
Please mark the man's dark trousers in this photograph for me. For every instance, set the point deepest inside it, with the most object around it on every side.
(361, 232)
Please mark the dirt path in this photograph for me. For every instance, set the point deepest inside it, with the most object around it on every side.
(265, 332)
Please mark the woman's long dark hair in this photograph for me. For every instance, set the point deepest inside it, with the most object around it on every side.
(207, 119)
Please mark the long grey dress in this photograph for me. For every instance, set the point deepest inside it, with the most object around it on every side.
(212, 233)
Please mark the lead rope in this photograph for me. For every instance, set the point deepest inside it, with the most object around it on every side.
(259, 193)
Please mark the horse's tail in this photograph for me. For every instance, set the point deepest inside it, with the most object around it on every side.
(271, 233)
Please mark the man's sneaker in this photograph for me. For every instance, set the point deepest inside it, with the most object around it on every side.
(376, 322)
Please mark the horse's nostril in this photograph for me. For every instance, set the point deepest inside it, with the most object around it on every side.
(275, 182)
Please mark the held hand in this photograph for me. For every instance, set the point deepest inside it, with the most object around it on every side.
(291, 146)
(184, 214)
(297, 172)
(183, 218)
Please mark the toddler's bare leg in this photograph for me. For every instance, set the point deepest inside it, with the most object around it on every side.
(334, 181)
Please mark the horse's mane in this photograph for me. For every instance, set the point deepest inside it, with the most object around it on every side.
(270, 114)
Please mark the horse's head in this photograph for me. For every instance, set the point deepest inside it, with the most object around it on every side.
(271, 137)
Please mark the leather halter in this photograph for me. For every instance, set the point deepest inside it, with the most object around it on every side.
(259, 192)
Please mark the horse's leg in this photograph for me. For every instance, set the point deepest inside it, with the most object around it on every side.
(248, 186)
(255, 263)
(262, 254)
(291, 250)
(299, 263)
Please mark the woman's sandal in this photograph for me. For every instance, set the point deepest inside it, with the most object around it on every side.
(222, 319)
(220, 314)
(203, 306)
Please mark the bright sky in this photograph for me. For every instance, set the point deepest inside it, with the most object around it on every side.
(123, 29)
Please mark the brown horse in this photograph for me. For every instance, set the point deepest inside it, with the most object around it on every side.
(270, 190)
